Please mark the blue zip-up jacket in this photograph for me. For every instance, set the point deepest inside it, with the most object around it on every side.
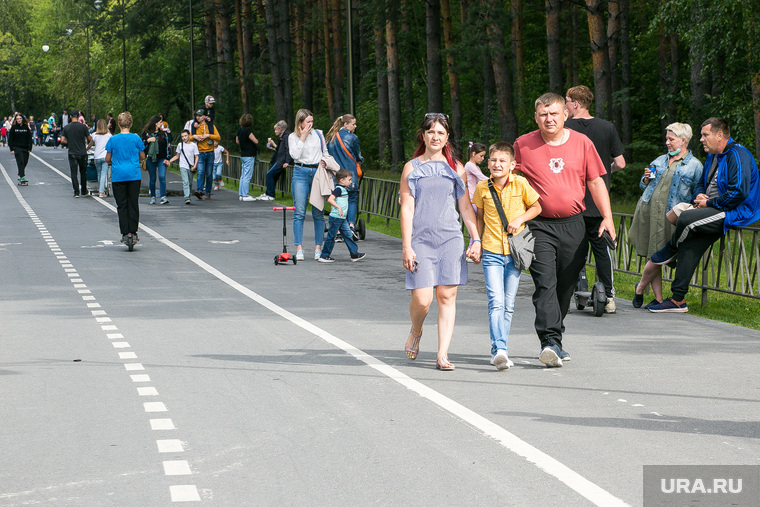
(351, 141)
(686, 177)
(738, 184)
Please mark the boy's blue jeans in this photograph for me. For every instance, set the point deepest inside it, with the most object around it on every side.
(502, 280)
(339, 224)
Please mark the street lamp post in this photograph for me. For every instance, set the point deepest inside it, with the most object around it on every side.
(123, 56)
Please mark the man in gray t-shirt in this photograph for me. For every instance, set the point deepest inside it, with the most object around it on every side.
(76, 136)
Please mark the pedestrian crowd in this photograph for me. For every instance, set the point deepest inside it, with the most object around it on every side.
(544, 202)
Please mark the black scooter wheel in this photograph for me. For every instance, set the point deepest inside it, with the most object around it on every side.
(361, 228)
(276, 260)
(600, 299)
(295, 261)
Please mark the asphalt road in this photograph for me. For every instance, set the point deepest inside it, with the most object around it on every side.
(194, 369)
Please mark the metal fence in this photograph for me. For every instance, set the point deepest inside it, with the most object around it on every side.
(730, 266)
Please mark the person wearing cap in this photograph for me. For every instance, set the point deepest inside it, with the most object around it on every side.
(204, 135)
(76, 136)
(208, 111)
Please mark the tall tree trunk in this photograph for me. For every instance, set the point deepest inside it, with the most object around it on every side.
(279, 99)
(383, 108)
(241, 54)
(456, 100)
(625, 76)
(489, 96)
(507, 116)
(406, 64)
(283, 47)
(223, 44)
(364, 49)
(756, 109)
(613, 37)
(209, 32)
(394, 98)
(434, 67)
(247, 22)
(664, 64)
(600, 58)
(339, 81)
(329, 88)
(552, 46)
(310, 42)
(262, 36)
(570, 25)
(518, 48)
(697, 66)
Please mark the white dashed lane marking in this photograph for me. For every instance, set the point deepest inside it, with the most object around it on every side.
(178, 493)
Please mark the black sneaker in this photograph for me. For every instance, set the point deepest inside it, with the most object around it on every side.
(123, 238)
(652, 303)
(76, 194)
(638, 299)
(325, 259)
(199, 195)
(187, 201)
(85, 193)
(670, 305)
(136, 238)
(664, 254)
(550, 356)
(357, 256)
(564, 355)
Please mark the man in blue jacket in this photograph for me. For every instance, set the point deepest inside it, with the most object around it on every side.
(728, 196)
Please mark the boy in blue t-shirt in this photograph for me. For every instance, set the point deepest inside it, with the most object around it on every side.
(339, 202)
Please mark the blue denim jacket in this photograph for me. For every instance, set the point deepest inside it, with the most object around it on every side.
(351, 141)
(686, 177)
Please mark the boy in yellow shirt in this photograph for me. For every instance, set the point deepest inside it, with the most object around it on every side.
(520, 203)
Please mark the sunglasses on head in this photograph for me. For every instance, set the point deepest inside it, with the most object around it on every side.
(437, 115)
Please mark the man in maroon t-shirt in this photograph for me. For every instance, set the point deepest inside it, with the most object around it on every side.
(559, 163)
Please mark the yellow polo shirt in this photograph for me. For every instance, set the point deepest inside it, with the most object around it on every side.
(516, 197)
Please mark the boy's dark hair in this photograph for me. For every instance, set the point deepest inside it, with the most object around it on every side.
(502, 146)
(185, 131)
(342, 173)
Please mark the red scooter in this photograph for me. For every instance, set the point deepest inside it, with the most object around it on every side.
(284, 257)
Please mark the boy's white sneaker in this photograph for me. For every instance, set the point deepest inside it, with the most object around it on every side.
(501, 360)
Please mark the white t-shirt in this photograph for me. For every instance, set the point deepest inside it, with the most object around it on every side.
(218, 154)
(100, 141)
(187, 153)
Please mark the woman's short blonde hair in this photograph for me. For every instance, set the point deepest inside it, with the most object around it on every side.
(124, 120)
(681, 131)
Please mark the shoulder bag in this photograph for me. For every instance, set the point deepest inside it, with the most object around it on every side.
(358, 165)
(521, 244)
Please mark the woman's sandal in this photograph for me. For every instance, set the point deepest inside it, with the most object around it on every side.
(443, 364)
(411, 352)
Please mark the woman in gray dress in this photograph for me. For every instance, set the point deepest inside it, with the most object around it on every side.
(669, 180)
(432, 184)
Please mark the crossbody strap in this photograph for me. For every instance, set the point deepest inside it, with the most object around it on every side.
(337, 135)
(499, 207)
(189, 165)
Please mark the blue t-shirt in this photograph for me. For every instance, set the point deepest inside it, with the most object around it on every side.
(125, 157)
(341, 199)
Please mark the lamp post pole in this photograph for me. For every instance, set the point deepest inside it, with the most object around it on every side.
(192, 61)
(350, 51)
(123, 56)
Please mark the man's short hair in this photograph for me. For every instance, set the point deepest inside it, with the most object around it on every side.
(185, 131)
(681, 131)
(547, 99)
(717, 124)
(282, 124)
(501, 146)
(582, 95)
(124, 120)
(74, 112)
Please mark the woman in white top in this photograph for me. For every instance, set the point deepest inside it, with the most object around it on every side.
(307, 147)
(99, 140)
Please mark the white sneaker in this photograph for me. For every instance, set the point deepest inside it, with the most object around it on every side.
(265, 197)
(610, 306)
(299, 255)
(317, 253)
(247, 198)
(501, 361)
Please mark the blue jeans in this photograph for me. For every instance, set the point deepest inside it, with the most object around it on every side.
(153, 167)
(246, 173)
(205, 172)
(301, 186)
(353, 206)
(273, 174)
(218, 171)
(502, 280)
(102, 168)
(339, 224)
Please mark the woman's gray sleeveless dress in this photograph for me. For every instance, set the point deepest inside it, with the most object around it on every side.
(436, 234)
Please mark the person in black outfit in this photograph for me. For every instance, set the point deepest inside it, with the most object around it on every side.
(76, 136)
(156, 153)
(280, 160)
(607, 143)
(20, 144)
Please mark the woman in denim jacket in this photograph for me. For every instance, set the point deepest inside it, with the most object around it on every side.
(670, 179)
